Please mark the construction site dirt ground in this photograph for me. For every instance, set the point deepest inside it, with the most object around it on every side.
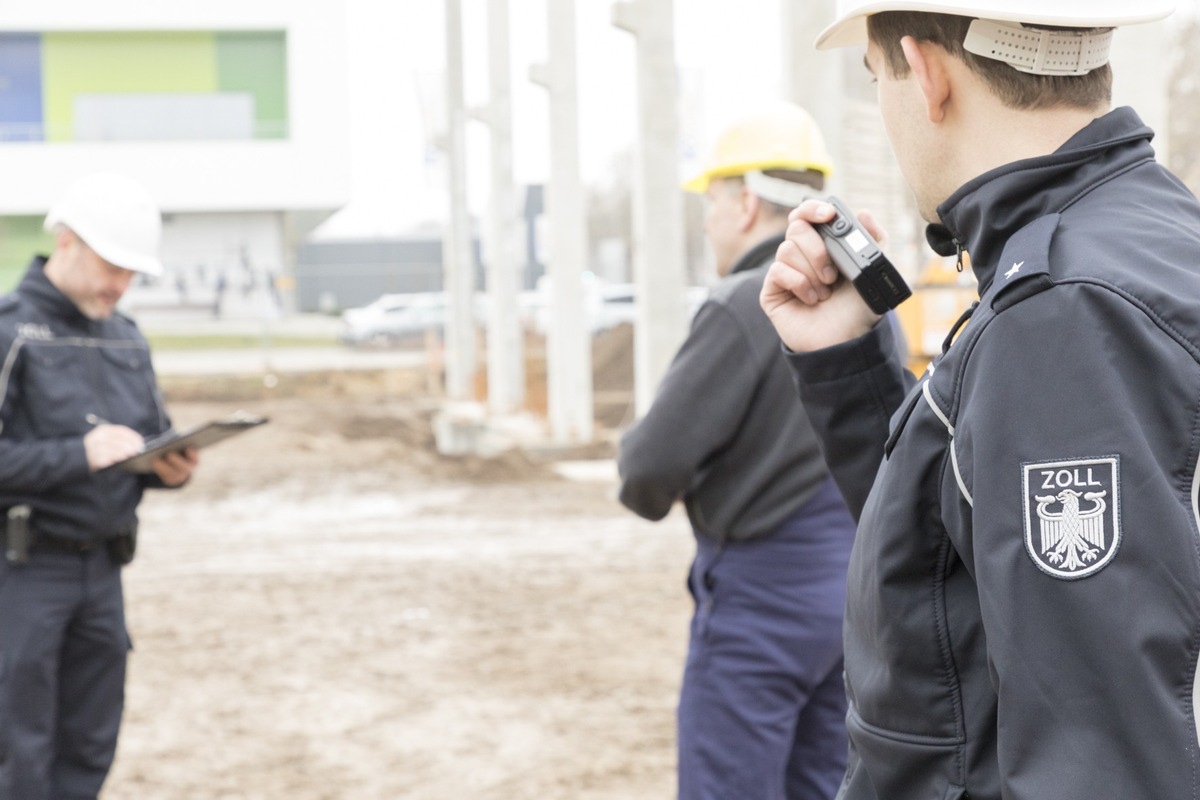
(330, 609)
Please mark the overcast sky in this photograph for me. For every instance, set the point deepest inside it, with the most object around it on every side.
(396, 50)
(729, 53)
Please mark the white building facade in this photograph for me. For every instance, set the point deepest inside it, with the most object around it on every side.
(232, 113)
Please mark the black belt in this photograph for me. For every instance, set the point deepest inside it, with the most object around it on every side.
(53, 544)
(20, 538)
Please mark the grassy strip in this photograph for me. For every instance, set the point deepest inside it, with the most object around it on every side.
(234, 341)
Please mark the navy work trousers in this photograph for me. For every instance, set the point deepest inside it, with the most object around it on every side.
(63, 649)
(762, 709)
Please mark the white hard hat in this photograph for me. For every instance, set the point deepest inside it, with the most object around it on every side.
(850, 27)
(114, 216)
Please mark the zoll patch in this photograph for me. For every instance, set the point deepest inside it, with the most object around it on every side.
(1072, 515)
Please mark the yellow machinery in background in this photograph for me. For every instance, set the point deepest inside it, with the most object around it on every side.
(940, 295)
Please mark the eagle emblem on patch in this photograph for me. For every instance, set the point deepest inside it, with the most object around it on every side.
(1072, 515)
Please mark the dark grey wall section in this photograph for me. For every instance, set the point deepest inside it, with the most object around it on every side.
(334, 275)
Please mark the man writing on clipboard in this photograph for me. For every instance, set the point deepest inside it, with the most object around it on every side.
(77, 394)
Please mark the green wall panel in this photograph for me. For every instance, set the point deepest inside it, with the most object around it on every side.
(21, 238)
(121, 62)
(256, 62)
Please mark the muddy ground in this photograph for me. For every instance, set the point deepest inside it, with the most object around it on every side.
(332, 610)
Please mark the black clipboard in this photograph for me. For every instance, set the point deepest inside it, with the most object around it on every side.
(198, 436)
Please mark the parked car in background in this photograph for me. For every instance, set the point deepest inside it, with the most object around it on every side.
(394, 317)
(615, 304)
(607, 304)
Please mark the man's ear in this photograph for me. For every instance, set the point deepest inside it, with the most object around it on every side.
(749, 206)
(927, 63)
(64, 237)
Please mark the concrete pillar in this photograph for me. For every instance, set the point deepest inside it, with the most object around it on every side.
(814, 78)
(660, 323)
(568, 341)
(505, 345)
(457, 259)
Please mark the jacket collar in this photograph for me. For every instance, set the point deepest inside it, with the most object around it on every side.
(755, 256)
(45, 295)
(987, 210)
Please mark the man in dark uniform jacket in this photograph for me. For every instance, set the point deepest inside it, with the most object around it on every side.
(1023, 617)
(77, 395)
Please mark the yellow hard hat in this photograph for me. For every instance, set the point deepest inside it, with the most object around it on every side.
(781, 136)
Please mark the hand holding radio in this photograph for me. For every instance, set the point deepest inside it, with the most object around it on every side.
(803, 294)
(857, 256)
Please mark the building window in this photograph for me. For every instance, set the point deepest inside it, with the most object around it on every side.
(143, 86)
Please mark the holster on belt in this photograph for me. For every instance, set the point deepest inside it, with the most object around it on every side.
(17, 535)
(122, 548)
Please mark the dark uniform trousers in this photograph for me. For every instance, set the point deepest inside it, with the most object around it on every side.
(63, 650)
(762, 711)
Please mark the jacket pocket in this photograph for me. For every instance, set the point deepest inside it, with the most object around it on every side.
(134, 359)
(56, 398)
(906, 766)
(128, 384)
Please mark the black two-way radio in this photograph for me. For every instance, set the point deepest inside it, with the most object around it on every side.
(858, 256)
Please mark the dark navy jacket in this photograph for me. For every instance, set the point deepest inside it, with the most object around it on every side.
(1024, 594)
(58, 368)
(725, 432)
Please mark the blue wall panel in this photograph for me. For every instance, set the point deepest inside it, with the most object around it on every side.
(20, 87)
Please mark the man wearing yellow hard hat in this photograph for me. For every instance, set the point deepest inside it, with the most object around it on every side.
(1023, 615)
(761, 712)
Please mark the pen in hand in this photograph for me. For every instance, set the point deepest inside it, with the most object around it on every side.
(106, 444)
